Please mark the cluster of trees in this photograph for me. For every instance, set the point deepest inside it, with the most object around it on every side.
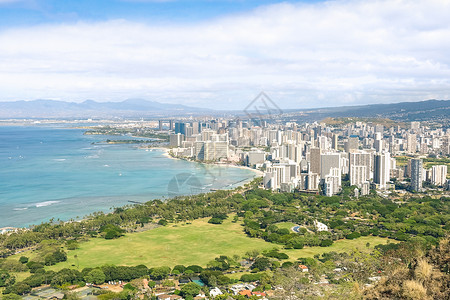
(347, 217)
(112, 231)
(218, 218)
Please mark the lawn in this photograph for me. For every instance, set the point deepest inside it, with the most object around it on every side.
(195, 243)
(187, 244)
(287, 225)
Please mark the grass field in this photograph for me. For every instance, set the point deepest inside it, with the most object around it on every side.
(195, 243)
(287, 225)
(188, 244)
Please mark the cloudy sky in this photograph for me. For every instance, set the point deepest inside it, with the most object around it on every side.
(222, 53)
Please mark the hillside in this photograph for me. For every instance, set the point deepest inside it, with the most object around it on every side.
(403, 111)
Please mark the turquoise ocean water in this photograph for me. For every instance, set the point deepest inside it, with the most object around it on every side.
(56, 172)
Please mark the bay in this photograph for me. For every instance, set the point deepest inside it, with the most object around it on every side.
(59, 173)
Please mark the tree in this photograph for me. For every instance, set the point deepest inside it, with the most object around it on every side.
(6, 279)
(194, 268)
(160, 273)
(95, 276)
(252, 254)
(112, 231)
(190, 289)
(179, 268)
(34, 266)
(20, 288)
(23, 259)
(261, 263)
(72, 245)
(326, 243)
(215, 221)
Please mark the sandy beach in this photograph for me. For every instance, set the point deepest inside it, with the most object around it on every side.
(166, 154)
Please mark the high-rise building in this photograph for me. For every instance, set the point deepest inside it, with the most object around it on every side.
(411, 143)
(416, 174)
(439, 175)
(277, 175)
(379, 128)
(334, 142)
(378, 144)
(357, 175)
(332, 182)
(314, 158)
(329, 161)
(255, 157)
(175, 140)
(180, 128)
(211, 150)
(382, 169)
(352, 143)
(362, 158)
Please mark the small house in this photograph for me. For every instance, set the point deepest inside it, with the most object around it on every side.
(303, 268)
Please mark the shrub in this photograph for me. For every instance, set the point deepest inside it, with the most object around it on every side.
(326, 243)
(6, 279)
(112, 231)
(261, 263)
(250, 277)
(95, 276)
(287, 264)
(179, 268)
(23, 259)
(215, 221)
(276, 254)
(353, 235)
(195, 269)
(72, 245)
(163, 222)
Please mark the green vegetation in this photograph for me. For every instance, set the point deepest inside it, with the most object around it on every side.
(208, 234)
(136, 132)
(195, 243)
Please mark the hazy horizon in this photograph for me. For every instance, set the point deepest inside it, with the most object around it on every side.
(330, 105)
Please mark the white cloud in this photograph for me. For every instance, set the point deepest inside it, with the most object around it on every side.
(305, 55)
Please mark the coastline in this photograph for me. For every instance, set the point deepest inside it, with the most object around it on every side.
(81, 196)
(166, 154)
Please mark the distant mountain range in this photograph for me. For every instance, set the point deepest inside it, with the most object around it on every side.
(137, 108)
(92, 109)
(403, 111)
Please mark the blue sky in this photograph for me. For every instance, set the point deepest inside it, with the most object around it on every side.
(221, 54)
(32, 12)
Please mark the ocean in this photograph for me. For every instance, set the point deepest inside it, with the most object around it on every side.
(58, 173)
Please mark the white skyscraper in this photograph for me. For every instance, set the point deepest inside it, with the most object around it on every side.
(439, 175)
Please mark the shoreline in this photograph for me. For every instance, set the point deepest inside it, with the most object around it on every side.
(166, 154)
